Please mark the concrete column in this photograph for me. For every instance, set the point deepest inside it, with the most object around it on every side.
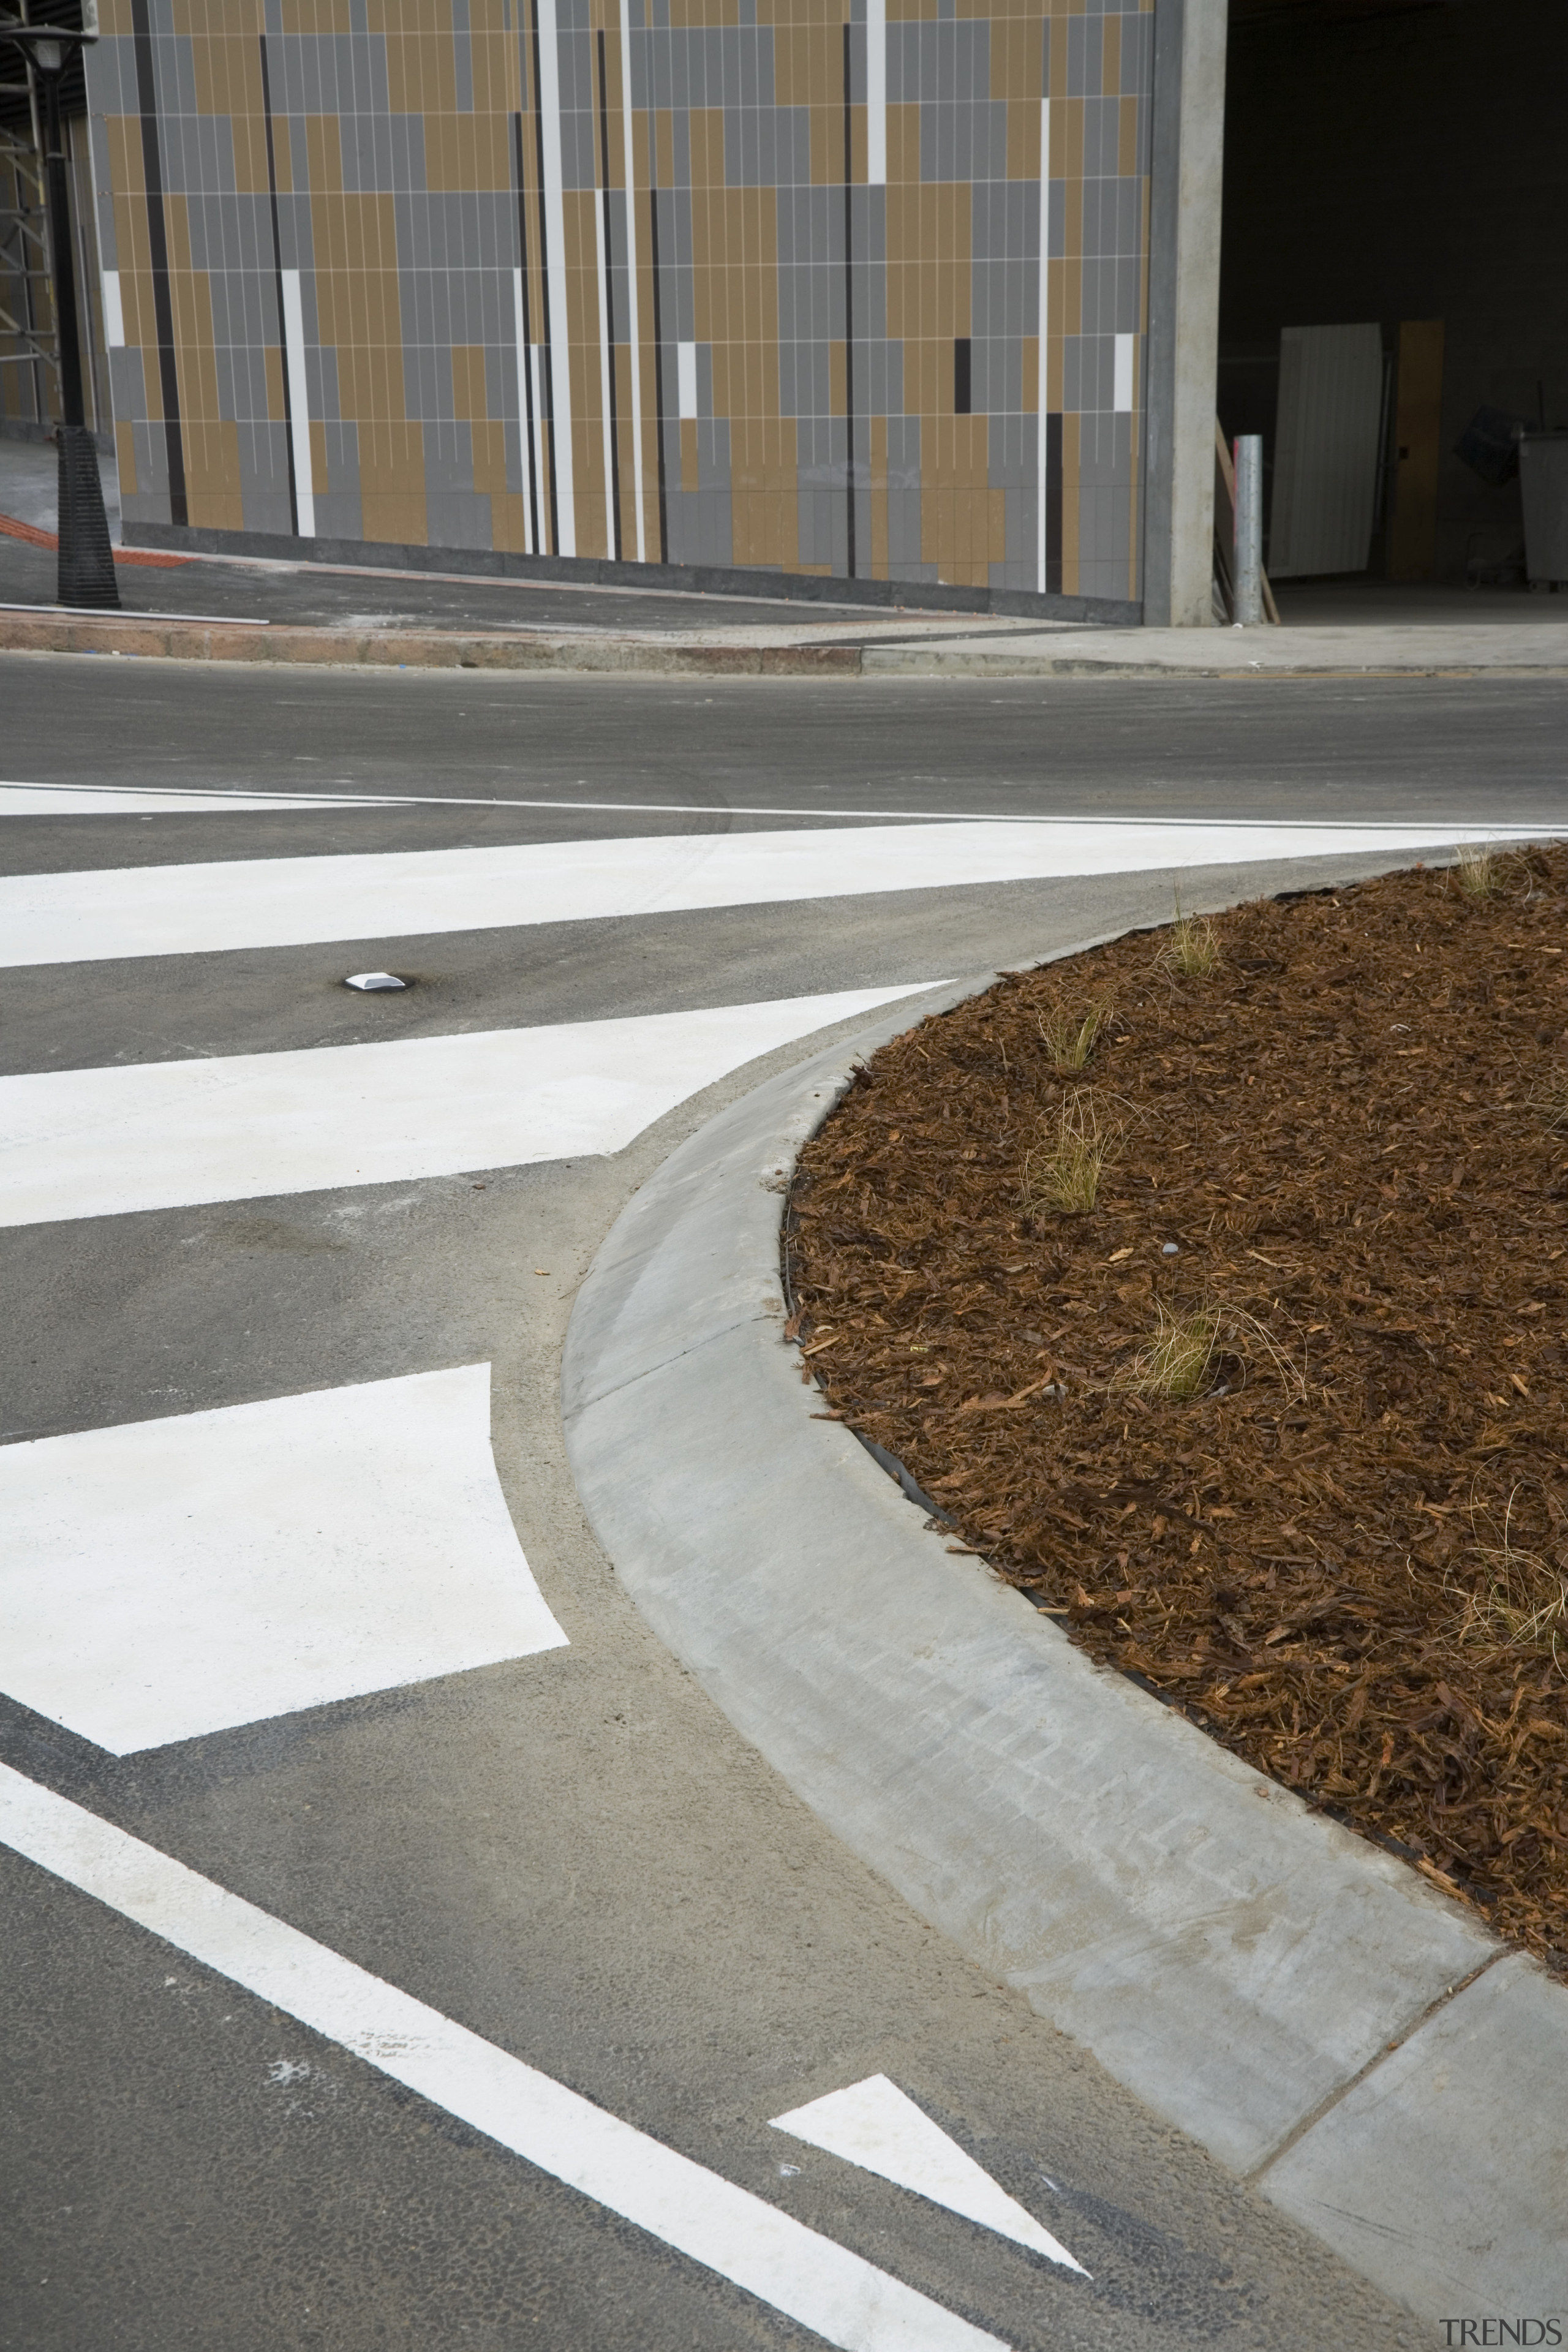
(1186, 166)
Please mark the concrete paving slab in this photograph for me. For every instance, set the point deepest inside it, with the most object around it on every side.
(1427, 649)
(1445, 2173)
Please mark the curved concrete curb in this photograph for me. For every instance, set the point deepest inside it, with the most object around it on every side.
(1305, 2005)
(131, 634)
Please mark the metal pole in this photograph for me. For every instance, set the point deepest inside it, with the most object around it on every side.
(1249, 529)
(86, 568)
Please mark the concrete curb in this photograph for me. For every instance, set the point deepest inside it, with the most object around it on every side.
(892, 661)
(132, 635)
(418, 649)
(1313, 2010)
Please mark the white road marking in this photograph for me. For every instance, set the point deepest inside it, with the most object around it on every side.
(157, 1135)
(111, 799)
(822, 2285)
(165, 1579)
(205, 909)
(874, 2125)
(117, 799)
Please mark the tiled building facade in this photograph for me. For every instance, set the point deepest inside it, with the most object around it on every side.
(730, 282)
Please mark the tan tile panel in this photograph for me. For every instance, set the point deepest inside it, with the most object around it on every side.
(1126, 156)
(765, 518)
(808, 65)
(489, 456)
(664, 145)
(1024, 136)
(497, 62)
(392, 478)
(125, 459)
(928, 268)
(816, 14)
(203, 22)
(508, 520)
(213, 499)
(903, 145)
(358, 304)
(421, 62)
(468, 150)
(879, 468)
(250, 135)
(1056, 298)
(1016, 69)
(621, 359)
(468, 392)
(591, 486)
(190, 301)
(689, 467)
(691, 13)
(1110, 57)
(319, 16)
(225, 67)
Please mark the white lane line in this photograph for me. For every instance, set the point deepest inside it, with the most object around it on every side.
(108, 800)
(165, 1579)
(290, 901)
(126, 800)
(809, 2278)
(159, 1135)
(874, 2125)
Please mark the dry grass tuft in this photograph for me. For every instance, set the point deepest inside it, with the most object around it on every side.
(1480, 870)
(1178, 1361)
(1522, 1603)
(1182, 1360)
(1193, 949)
(1061, 1176)
(1549, 1097)
(1070, 1037)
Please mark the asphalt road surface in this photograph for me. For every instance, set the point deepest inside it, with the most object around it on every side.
(294, 1645)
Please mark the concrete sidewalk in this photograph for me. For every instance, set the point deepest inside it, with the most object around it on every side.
(227, 608)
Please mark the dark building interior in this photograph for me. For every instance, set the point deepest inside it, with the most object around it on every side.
(1404, 161)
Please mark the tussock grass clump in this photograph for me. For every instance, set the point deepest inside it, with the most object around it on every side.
(1478, 870)
(1178, 1361)
(1071, 1036)
(1182, 1359)
(1521, 1603)
(1193, 949)
(1549, 1098)
(1062, 1173)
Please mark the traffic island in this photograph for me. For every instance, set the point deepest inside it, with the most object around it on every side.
(1210, 1286)
(1335, 2026)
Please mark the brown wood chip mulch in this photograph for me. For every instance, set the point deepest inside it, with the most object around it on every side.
(1346, 1556)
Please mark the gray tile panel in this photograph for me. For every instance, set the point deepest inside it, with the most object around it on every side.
(457, 519)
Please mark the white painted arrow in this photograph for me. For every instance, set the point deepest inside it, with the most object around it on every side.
(874, 2125)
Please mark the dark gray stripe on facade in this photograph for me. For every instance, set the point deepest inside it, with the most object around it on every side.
(277, 282)
(158, 247)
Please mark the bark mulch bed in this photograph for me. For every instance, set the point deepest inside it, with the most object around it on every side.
(1345, 1554)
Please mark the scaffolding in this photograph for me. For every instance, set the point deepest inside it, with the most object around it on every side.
(29, 345)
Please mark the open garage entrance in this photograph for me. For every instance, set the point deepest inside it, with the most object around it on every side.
(1394, 303)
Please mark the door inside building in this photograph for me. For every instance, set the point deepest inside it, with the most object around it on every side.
(1395, 181)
